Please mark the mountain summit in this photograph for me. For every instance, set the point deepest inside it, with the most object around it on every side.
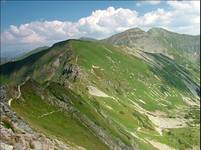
(159, 40)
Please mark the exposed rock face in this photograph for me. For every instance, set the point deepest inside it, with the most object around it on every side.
(71, 71)
(158, 40)
(18, 140)
(64, 102)
(136, 38)
(17, 135)
(8, 113)
(4, 146)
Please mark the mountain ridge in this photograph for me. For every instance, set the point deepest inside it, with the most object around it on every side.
(185, 49)
(93, 94)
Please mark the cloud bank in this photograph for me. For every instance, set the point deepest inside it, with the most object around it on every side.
(182, 17)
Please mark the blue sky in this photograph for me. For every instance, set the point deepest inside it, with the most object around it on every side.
(29, 24)
(27, 11)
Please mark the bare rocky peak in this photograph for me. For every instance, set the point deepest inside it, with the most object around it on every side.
(158, 40)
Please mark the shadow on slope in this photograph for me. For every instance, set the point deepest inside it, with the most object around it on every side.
(173, 74)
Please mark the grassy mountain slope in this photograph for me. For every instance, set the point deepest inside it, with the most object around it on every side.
(126, 100)
(185, 49)
(53, 120)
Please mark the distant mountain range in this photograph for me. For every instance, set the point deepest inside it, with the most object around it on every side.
(87, 39)
(23, 55)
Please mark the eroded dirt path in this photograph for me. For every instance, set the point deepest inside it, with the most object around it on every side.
(160, 146)
(9, 101)
(49, 113)
(19, 92)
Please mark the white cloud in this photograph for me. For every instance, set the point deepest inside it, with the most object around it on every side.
(185, 6)
(156, 18)
(99, 24)
(106, 22)
(181, 17)
(185, 16)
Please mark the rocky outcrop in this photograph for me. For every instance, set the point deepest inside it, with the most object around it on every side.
(8, 113)
(71, 71)
(65, 103)
(18, 135)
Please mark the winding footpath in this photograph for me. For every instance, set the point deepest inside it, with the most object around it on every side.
(49, 113)
(19, 92)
